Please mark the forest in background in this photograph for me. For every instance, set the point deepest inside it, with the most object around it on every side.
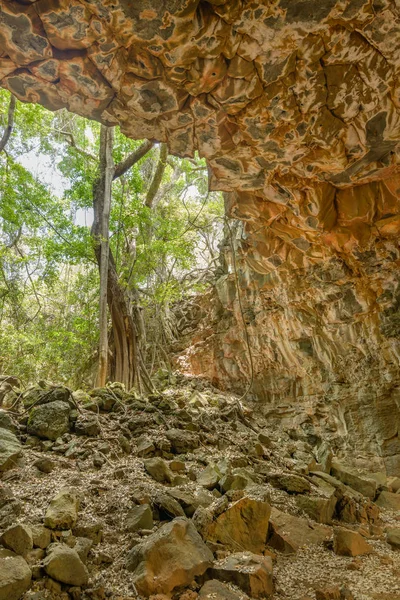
(164, 231)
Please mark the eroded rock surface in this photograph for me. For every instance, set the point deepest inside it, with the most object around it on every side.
(295, 105)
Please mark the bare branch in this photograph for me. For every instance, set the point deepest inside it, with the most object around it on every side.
(72, 142)
(132, 159)
(10, 123)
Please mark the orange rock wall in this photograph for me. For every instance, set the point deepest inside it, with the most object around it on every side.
(295, 104)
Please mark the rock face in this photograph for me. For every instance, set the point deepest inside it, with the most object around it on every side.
(295, 106)
(15, 575)
(169, 558)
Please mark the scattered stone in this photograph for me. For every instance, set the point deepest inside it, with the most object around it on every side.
(6, 421)
(139, 517)
(62, 512)
(389, 501)
(45, 464)
(250, 572)
(49, 421)
(233, 482)
(41, 536)
(244, 524)
(288, 533)
(93, 531)
(63, 564)
(317, 508)
(182, 441)
(10, 450)
(83, 546)
(15, 575)
(177, 466)
(145, 446)
(184, 556)
(349, 543)
(293, 484)
(159, 470)
(358, 481)
(209, 477)
(393, 537)
(88, 426)
(167, 507)
(215, 590)
(18, 538)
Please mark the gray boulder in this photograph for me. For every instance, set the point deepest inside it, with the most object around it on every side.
(62, 512)
(63, 564)
(10, 449)
(15, 575)
(49, 421)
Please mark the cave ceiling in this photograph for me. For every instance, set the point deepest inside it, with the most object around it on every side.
(295, 104)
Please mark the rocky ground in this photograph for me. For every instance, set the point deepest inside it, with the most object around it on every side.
(187, 495)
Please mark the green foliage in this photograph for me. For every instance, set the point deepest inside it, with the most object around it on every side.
(48, 273)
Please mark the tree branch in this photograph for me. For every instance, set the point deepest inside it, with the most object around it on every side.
(132, 159)
(158, 174)
(73, 144)
(10, 123)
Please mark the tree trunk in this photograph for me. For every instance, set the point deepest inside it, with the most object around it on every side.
(101, 205)
(124, 366)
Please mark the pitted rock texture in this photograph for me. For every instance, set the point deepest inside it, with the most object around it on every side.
(289, 100)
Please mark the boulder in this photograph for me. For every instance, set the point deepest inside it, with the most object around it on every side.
(169, 558)
(393, 537)
(359, 481)
(10, 449)
(351, 507)
(82, 547)
(209, 477)
(15, 575)
(159, 470)
(251, 572)
(215, 590)
(349, 543)
(63, 564)
(45, 464)
(389, 501)
(6, 421)
(41, 536)
(233, 482)
(288, 533)
(88, 426)
(244, 524)
(139, 517)
(168, 508)
(62, 512)
(49, 421)
(18, 538)
(93, 531)
(190, 501)
(317, 508)
(293, 484)
(182, 441)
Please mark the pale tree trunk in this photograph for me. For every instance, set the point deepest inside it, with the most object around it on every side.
(125, 364)
(102, 190)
